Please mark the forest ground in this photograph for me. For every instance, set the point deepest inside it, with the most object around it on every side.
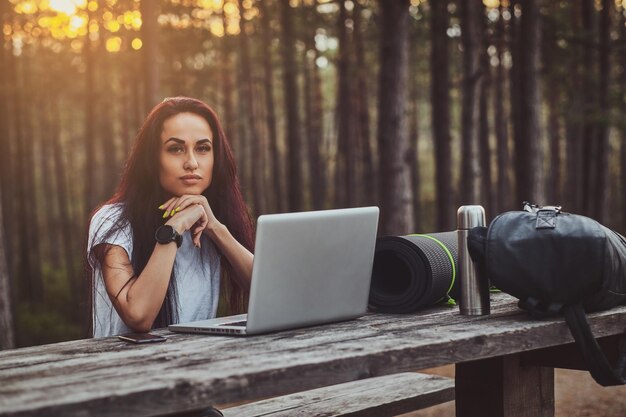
(576, 395)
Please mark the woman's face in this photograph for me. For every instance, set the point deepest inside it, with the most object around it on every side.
(186, 156)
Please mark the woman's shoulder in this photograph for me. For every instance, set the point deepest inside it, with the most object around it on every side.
(108, 217)
(113, 211)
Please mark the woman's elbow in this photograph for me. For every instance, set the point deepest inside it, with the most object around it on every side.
(140, 327)
(138, 321)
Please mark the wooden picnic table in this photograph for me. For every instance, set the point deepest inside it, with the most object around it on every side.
(498, 364)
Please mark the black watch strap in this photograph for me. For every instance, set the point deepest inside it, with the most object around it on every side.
(166, 234)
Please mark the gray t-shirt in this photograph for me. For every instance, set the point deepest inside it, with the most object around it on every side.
(197, 274)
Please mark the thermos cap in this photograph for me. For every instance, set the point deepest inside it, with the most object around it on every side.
(470, 216)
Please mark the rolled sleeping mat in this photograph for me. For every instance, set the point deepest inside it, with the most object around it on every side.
(414, 271)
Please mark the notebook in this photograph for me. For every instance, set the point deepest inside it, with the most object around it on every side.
(309, 268)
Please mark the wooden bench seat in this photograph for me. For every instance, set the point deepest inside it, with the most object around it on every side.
(380, 397)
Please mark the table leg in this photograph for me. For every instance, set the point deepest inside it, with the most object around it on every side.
(499, 387)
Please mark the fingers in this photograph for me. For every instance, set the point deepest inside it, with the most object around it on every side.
(198, 227)
(173, 206)
(169, 207)
(166, 206)
(188, 200)
(196, 240)
(177, 204)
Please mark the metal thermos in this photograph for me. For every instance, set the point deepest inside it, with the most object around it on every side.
(474, 288)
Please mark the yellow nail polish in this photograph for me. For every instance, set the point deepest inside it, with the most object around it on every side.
(173, 212)
(161, 207)
(165, 214)
(177, 208)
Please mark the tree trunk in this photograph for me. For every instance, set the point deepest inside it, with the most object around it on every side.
(91, 106)
(473, 78)
(49, 183)
(31, 220)
(109, 165)
(243, 134)
(290, 92)
(275, 167)
(318, 129)
(487, 196)
(368, 174)
(553, 194)
(126, 112)
(600, 196)
(345, 189)
(501, 117)
(313, 111)
(623, 111)
(29, 271)
(589, 157)
(574, 185)
(486, 183)
(138, 107)
(7, 137)
(150, 34)
(257, 139)
(530, 177)
(413, 158)
(235, 129)
(62, 198)
(553, 98)
(440, 98)
(230, 123)
(7, 334)
(515, 85)
(396, 199)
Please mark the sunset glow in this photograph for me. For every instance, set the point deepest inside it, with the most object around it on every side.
(117, 26)
(68, 7)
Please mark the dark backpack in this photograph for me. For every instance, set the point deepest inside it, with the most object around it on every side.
(557, 262)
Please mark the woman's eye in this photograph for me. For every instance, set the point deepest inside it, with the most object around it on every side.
(204, 148)
(175, 149)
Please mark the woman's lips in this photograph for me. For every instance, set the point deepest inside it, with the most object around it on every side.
(190, 179)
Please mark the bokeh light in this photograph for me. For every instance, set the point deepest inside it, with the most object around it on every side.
(114, 44)
(69, 7)
(136, 44)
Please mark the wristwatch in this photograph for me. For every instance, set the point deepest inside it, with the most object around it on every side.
(166, 234)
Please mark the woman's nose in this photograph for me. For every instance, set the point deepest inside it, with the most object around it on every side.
(191, 163)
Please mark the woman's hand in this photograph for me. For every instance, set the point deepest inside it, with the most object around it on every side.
(238, 256)
(193, 217)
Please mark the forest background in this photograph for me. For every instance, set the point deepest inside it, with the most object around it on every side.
(415, 106)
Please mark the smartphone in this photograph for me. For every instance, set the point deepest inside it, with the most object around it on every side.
(142, 338)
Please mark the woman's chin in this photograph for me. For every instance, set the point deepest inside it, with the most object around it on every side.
(181, 192)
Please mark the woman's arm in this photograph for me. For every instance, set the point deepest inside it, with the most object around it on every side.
(239, 257)
(138, 300)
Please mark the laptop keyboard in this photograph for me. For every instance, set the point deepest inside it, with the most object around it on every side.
(241, 323)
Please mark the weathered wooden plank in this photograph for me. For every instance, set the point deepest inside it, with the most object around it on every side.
(380, 397)
(569, 356)
(107, 376)
(502, 387)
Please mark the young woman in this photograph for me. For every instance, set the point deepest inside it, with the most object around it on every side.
(177, 231)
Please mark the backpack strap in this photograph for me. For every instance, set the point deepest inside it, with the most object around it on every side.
(599, 367)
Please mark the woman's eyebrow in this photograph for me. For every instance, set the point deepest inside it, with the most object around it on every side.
(173, 139)
(182, 142)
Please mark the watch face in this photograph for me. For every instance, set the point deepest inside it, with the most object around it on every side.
(165, 234)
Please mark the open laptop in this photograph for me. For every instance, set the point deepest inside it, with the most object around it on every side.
(309, 268)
